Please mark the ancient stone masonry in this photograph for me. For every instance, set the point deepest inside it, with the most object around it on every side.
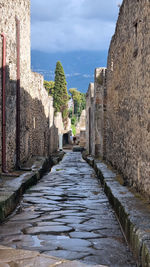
(122, 107)
(96, 114)
(59, 123)
(37, 133)
(90, 119)
(100, 111)
(81, 129)
(128, 94)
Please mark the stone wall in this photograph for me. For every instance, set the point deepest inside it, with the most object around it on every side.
(99, 111)
(81, 126)
(90, 119)
(81, 129)
(10, 10)
(38, 119)
(96, 114)
(59, 123)
(38, 134)
(82, 120)
(128, 94)
(68, 125)
(122, 106)
(82, 138)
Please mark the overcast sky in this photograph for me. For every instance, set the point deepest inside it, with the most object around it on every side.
(72, 25)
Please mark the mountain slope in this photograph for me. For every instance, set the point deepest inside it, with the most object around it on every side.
(79, 66)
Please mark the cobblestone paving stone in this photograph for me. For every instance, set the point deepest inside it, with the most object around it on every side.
(67, 215)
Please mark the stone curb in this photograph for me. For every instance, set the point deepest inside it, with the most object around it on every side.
(12, 188)
(132, 212)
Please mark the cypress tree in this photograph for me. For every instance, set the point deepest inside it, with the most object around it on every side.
(60, 91)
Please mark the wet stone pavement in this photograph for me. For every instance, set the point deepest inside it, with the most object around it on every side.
(67, 215)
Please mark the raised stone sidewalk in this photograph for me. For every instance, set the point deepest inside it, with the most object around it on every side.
(13, 185)
(10, 257)
(132, 210)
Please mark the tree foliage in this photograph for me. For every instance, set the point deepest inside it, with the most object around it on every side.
(60, 91)
(70, 112)
(49, 86)
(74, 120)
(73, 127)
(83, 101)
(76, 95)
(79, 101)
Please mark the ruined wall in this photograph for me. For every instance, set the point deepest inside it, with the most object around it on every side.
(82, 120)
(83, 138)
(81, 129)
(68, 125)
(128, 94)
(39, 119)
(99, 111)
(96, 115)
(36, 108)
(81, 126)
(59, 123)
(9, 11)
(90, 119)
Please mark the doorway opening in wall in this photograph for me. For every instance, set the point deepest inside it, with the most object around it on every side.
(65, 139)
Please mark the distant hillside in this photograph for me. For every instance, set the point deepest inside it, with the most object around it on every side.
(78, 66)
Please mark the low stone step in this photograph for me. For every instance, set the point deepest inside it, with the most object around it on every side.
(78, 149)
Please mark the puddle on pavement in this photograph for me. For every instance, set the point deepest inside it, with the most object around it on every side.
(37, 242)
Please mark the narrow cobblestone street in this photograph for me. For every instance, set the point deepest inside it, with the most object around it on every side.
(67, 215)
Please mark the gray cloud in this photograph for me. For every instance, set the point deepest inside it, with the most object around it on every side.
(67, 25)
